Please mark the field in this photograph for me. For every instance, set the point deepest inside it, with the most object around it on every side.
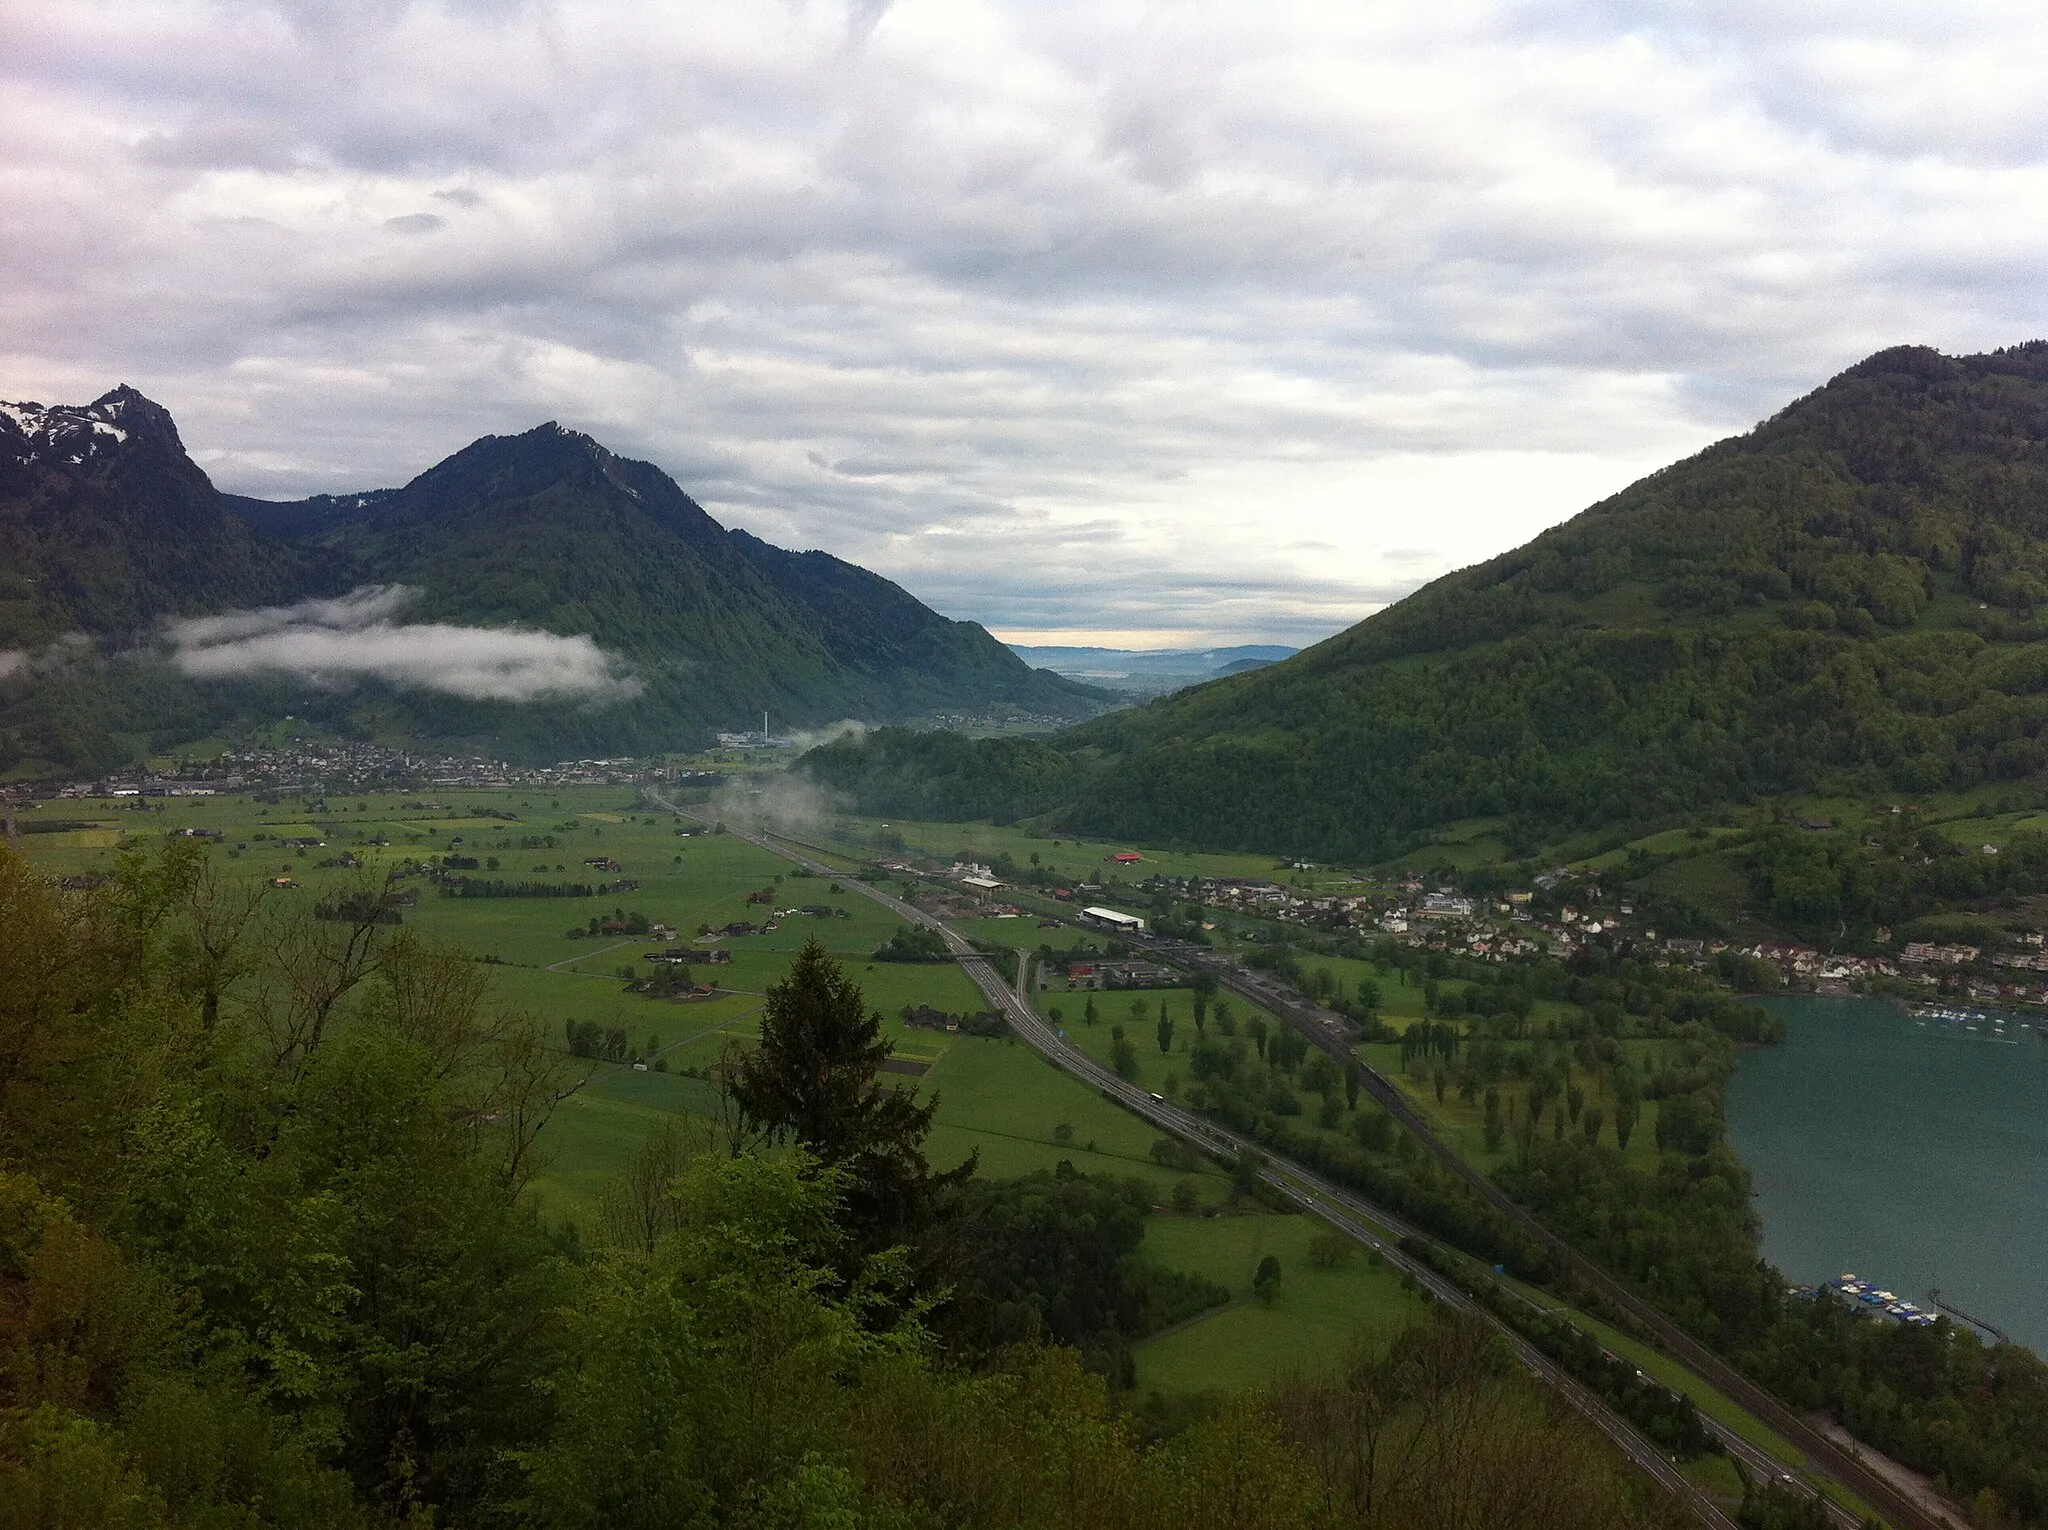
(1463, 1125)
(595, 1130)
(1001, 1099)
(1319, 1317)
(997, 1099)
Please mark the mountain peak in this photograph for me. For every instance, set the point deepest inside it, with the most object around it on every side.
(555, 433)
(70, 436)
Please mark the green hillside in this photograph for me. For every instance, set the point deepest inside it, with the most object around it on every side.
(1846, 599)
(107, 527)
(548, 529)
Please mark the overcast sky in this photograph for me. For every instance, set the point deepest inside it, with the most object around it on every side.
(1147, 324)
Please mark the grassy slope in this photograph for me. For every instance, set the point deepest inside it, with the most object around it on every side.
(1313, 1325)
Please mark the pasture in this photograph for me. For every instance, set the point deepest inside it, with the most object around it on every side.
(1319, 1318)
(997, 1099)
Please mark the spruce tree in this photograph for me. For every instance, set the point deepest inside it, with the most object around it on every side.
(816, 1079)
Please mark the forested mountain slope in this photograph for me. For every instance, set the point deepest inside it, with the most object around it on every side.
(107, 528)
(1845, 597)
(550, 529)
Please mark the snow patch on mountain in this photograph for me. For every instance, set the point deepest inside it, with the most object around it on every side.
(68, 433)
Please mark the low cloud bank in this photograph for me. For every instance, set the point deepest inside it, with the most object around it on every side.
(355, 637)
(53, 658)
(782, 803)
(812, 738)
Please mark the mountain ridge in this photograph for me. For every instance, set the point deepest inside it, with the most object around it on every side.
(1847, 597)
(110, 530)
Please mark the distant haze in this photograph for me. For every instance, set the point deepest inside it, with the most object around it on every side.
(1151, 671)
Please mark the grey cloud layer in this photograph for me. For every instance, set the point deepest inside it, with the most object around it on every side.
(354, 637)
(1054, 311)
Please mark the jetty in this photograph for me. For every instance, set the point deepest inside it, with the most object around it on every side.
(1934, 1300)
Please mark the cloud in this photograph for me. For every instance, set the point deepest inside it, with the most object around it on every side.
(1050, 311)
(332, 642)
(812, 738)
(781, 802)
(62, 656)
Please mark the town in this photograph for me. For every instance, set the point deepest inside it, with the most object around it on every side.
(347, 767)
(1564, 910)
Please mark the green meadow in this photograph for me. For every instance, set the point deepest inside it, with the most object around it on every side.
(1074, 861)
(1317, 1320)
(998, 1100)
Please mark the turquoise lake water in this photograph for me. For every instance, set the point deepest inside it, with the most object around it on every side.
(1911, 1152)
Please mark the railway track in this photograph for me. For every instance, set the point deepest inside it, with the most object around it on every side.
(1331, 1032)
(1370, 1225)
(1356, 1216)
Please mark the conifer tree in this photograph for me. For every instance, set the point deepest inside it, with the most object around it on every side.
(816, 1079)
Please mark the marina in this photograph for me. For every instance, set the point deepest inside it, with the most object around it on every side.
(1866, 1300)
(1911, 1148)
(1993, 1024)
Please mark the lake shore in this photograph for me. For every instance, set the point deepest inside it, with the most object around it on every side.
(1912, 1152)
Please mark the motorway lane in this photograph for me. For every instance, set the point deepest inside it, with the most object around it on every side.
(1330, 1031)
(1350, 1213)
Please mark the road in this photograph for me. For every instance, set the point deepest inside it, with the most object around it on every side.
(1330, 1031)
(584, 956)
(1377, 1229)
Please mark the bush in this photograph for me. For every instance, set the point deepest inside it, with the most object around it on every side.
(1330, 1250)
(1266, 1280)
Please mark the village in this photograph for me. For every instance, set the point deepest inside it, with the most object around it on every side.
(350, 767)
(1515, 925)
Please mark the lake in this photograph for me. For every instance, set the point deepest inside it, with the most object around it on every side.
(1911, 1152)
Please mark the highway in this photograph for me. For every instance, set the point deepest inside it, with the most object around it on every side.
(1331, 1032)
(1378, 1229)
